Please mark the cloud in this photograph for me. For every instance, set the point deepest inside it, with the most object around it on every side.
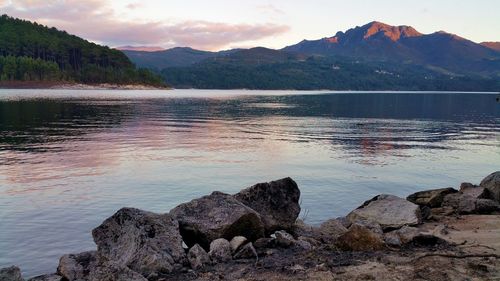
(269, 8)
(95, 20)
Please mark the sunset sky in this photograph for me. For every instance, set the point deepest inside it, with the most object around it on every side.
(223, 24)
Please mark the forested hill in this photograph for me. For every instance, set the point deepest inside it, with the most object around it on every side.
(33, 52)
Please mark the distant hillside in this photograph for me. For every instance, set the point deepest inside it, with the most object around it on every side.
(261, 68)
(381, 42)
(33, 52)
(172, 57)
(492, 45)
(372, 56)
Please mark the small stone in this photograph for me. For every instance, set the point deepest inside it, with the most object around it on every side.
(198, 257)
(284, 239)
(303, 245)
(392, 239)
(407, 234)
(331, 229)
(246, 252)
(220, 250)
(12, 273)
(237, 242)
(77, 266)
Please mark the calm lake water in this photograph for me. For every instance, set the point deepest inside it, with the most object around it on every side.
(70, 159)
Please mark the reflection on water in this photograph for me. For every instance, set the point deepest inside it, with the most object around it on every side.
(69, 159)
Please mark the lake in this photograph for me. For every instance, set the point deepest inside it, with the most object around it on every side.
(70, 159)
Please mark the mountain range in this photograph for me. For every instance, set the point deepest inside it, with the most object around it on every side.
(390, 57)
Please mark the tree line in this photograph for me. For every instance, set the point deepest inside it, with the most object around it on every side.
(34, 52)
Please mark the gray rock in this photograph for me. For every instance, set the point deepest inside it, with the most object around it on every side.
(392, 239)
(474, 190)
(143, 241)
(360, 238)
(389, 211)
(218, 215)
(247, 251)
(12, 273)
(466, 204)
(407, 234)
(264, 243)
(430, 198)
(47, 277)
(237, 242)
(303, 244)
(492, 184)
(284, 239)
(77, 266)
(114, 272)
(277, 202)
(198, 257)
(220, 250)
(331, 230)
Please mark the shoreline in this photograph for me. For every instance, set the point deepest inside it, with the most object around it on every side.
(438, 234)
(62, 85)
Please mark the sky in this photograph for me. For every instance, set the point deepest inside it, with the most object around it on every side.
(224, 24)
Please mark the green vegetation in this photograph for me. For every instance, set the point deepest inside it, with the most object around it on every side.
(256, 70)
(33, 52)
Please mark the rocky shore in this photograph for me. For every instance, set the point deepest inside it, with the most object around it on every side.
(439, 234)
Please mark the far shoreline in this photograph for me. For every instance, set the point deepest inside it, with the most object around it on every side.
(64, 85)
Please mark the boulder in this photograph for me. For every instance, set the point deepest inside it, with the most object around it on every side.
(390, 212)
(277, 202)
(143, 241)
(492, 184)
(218, 215)
(12, 273)
(237, 242)
(198, 257)
(467, 204)
(247, 251)
(331, 230)
(360, 238)
(430, 198)
(47, 277)
(474, 190)
(77, 266)
(220, 250)
(284, 239)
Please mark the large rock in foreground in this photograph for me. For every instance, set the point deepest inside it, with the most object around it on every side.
(277, 202)
(390, 212)
(218, 215)
(492, 184)
(143, 241)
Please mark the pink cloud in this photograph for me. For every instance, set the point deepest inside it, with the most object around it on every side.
(96, 21)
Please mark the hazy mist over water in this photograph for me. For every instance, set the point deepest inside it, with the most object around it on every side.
(70, 159)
